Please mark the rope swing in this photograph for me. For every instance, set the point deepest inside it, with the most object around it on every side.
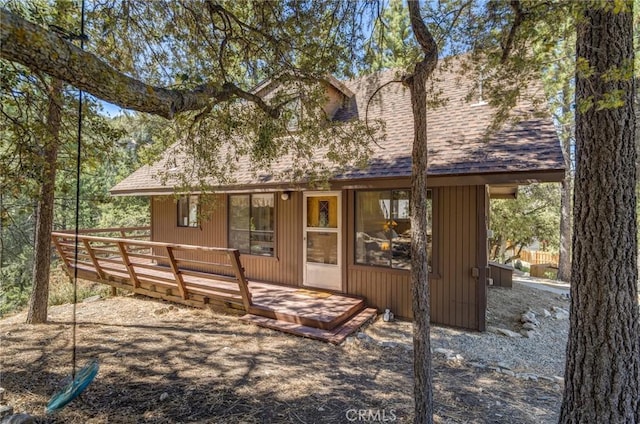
(83, 377)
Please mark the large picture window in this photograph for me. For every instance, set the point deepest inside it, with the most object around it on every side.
(251, 223)
(383, 229)
(188, 211)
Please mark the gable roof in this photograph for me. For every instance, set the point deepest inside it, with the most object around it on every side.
(457, 146)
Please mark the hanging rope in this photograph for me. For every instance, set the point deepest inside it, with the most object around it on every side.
(84, 376)
(77, 217)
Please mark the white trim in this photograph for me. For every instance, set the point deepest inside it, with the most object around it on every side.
(333, 272)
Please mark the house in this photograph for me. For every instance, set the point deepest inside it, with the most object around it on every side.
(354, 238)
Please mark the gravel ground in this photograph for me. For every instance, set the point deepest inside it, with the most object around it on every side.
(164, 363)
(543, 354)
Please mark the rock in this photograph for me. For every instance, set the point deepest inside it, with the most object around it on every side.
(546, 313)
(508, 333)
(529, 317)
(545, 378)
(560, 314)
(1, 394)
(92, 299)
(528, 333)
(18, 419)
(556, 387)
(508, 372)
(389, 344)
(528, 376)
(558, 379)
(446, 352)
(529, 326)
(503, 365)
(5, 410)
(164, 396)
(364, 337)
(478, 365)
(161, 311)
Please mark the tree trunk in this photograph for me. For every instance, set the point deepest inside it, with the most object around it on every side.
(423, 393)
(564, 262)
(602, 375)
(44, 217)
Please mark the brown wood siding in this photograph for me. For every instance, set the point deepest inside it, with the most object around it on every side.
(456, 299)
(285, 267)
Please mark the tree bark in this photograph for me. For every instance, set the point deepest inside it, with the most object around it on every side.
(44, 51)
(416, 82)
(602, 375)
(39, 299)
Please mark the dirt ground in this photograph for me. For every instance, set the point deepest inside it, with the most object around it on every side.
(164, 363)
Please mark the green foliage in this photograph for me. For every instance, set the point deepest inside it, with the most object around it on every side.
(392, 44)
(534, 215)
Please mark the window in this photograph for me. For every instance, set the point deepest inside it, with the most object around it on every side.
(188, 211)
(251, 218)
(383, 229)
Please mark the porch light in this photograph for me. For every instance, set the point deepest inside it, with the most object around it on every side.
(284, 195)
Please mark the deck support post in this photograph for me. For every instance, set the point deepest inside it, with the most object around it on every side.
(127, 263)
(176, 273)
(234, 258)
(94, 259)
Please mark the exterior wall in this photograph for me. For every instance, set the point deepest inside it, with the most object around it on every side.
(456, 294)
(285, 267)
(457, 284)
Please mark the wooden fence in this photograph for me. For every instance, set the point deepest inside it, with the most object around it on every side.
(539, 257)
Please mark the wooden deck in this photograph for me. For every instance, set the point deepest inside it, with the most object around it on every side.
(215, 279)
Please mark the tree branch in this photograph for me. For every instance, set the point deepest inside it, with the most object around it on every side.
(508, 44)
(42, 50)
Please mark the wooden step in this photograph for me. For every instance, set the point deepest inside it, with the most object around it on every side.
(334, 336)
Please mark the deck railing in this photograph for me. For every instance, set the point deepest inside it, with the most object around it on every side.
(156, 269)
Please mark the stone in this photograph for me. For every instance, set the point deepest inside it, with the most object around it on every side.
(528, 333)
(446, 352)
(1, 394)
(18, 419)
(5, 410)
(504, 365)
(164, 396)
(389, 344)
(529, 317)
(508, 372)
(558, 379)
(92, 299)
(477, 365)
(546, 313)
(508, 333)
(560, 314)
(364, 337)
(545, 378)
(556, 387)
(529, 326)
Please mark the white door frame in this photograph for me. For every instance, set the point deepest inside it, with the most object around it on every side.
(332, 273)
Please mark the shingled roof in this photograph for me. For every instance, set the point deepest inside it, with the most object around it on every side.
(457, 141)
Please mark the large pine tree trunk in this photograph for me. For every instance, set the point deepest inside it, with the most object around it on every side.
(602, 375)
(423, 394)
(44, 222)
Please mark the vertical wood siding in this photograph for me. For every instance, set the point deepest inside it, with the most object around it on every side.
(455, 300)
(285, 267)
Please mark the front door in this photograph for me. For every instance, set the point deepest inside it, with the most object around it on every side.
(322, 240)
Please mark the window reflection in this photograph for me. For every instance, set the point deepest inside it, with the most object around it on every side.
(383, 229)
